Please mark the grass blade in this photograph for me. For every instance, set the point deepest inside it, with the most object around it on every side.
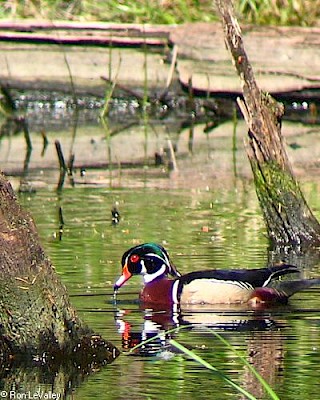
(205, 364)
(263, 382)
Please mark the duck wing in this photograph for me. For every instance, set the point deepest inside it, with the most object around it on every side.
(291, 287)
(258, 277)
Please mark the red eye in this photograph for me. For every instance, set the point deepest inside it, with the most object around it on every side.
(134, 258)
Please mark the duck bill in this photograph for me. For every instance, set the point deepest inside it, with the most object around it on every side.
(123, 278)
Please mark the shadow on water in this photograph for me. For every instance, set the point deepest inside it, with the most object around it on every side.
(42, 378)
(90, 210)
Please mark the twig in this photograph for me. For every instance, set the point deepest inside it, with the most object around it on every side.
(172, 65)
(61, 223)
(63, 168)
(60, 155)
(45, 142)
(26, 133)
(172, 156)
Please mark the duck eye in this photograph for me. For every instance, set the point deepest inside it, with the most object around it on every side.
(134, 258)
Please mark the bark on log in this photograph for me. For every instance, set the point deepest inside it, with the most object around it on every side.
(82, 40)
(288, 217)
(36, 317)
(93, 34)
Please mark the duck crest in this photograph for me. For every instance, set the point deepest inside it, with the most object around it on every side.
(155, 261)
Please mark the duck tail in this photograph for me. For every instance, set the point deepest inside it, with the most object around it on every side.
(279, 270)
(289, 288)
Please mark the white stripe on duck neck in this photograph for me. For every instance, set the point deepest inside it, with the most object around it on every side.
(150, 277)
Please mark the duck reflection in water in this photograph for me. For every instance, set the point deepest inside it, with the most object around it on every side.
(263, 337)
(163, 324)
(133, 334)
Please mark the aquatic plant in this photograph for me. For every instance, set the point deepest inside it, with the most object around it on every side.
(194, 356)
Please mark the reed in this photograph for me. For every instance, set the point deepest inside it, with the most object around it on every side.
(103, 116)
(191, 354)
(234, 142)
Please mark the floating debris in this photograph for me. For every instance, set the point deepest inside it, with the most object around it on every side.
(115, 216)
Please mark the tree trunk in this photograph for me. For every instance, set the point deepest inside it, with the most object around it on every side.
(36, 317)
(288, 217)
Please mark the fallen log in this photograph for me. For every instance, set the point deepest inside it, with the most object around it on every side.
(200, 54)
(93, 34)
(37, 320)
(82, 40)
(288, 217)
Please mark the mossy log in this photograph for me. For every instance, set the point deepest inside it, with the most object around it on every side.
(36, 317)
(287, 215)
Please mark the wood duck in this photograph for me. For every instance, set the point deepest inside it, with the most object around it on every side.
(203, 287)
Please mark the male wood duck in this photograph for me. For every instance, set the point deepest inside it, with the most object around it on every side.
(203, 287)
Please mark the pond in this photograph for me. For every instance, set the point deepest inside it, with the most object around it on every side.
(205, 212)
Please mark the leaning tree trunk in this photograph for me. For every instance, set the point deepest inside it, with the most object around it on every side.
(36, 317)
(288, 217)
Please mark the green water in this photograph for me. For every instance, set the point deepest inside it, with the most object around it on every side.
(201, 229)
(207, 216)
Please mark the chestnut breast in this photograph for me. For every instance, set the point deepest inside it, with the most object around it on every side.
(158, 291)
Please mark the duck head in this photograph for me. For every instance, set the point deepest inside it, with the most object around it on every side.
(149, 260)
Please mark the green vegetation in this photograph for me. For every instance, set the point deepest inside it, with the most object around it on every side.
(125, 11)
(278, 12)
(193, 356)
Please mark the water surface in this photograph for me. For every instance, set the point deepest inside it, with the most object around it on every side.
(201, 229)
(206, 214)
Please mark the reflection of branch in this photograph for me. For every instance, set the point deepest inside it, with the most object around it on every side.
(25, 186)
(26, 132)
(45, 142)
(60, 155)
(61, 223)
(26, 162)
(266, 354)
(63, 168)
